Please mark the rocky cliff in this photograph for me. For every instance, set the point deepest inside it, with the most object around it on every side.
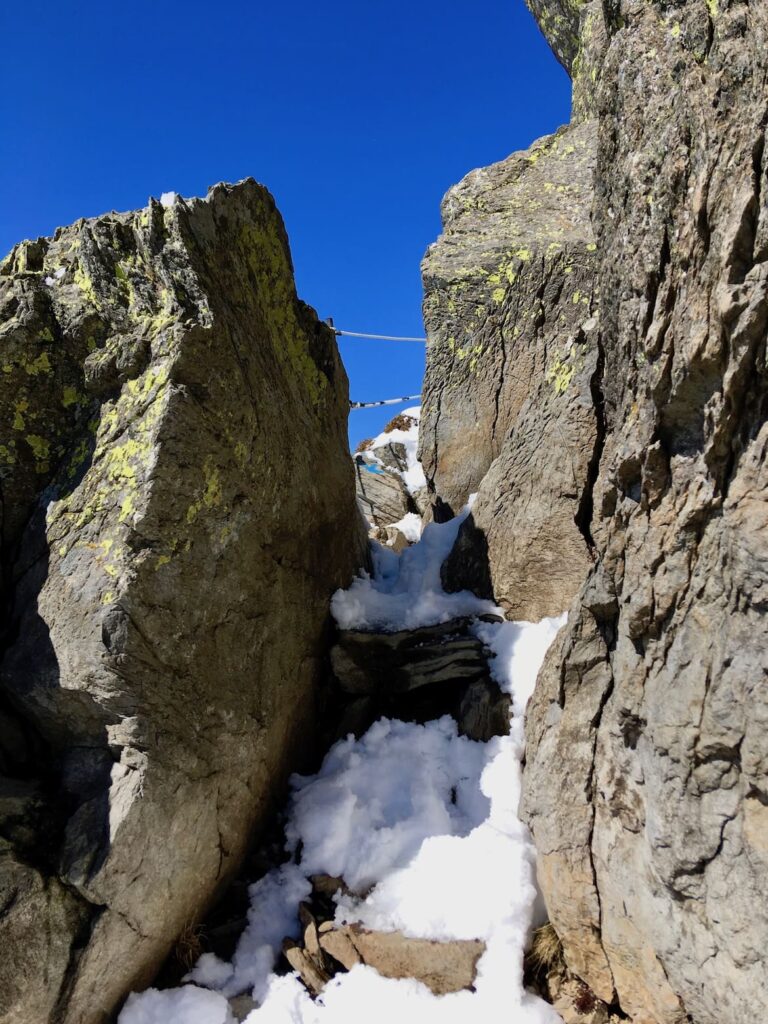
(646, 783)
(177, 508)
(512, 355)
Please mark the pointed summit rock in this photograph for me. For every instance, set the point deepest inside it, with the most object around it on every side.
(178, 506)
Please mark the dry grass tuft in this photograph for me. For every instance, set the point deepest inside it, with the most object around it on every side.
(400, 422)
(546, 952)
(364, 445)
(189, 945)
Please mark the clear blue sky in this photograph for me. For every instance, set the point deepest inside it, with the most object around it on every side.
(357, 116)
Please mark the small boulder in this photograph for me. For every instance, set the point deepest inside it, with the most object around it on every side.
(442, 966)
(381, 494)
(484, 711)
(447, 966)
(393, 455)
(369, 663)
(392, 537)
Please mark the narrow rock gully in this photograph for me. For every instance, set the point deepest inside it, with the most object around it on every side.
(399, 879)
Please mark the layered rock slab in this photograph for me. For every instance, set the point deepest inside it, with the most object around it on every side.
(512, 358)
(328, 947)
(178, 507)
(419, 675)
(646, 775)
(381, 495)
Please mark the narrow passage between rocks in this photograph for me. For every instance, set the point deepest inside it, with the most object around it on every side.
(409, 888)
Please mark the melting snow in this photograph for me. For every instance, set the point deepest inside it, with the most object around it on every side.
(425, 816)
(188, 1005)
(57, 276)
(405, 590)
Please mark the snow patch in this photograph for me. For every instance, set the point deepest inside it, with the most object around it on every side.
(519, 649)
(273, 916)
(409, 526)
(413, 475)
(376, 799)
(405, 591)
(168, 198)
(57, 276)
(425, 817)
(187, 1005)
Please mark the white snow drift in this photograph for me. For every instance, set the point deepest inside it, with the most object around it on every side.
(425, 816)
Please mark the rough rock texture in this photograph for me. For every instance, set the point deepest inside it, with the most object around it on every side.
(392, 455)
(646, 782)
(381, 494)
(418, 675)
(511, 360)
(369, 663)
(443, 967)
(577, 32)
(178, 506)
(328, 948)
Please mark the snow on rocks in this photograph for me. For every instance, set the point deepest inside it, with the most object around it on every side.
(422, 825)
(390, 482)
(442, 966)
(406, 592)
(57, 276)
(404, 436)
(381, 495)
(409, 526)
(187, 1005)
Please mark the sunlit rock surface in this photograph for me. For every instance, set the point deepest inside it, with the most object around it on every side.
(645, 779)
(178, 506)
(512, 361)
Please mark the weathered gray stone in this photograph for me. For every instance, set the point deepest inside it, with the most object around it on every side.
(442, 966)
(647, 766)
(392, 455)
(646, 779)
(392, 537)
(484, 711)
(178, 506)
(578, 35)
(418, 675)
(39, 918)
(511, 360)
(420, 498)
(337, 943)
(241, 1006)
(381, 494)
(375, 663)
(313, 976)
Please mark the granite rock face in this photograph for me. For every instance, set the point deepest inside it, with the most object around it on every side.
(646, 775)
(381, 494)
(178, 506)
(646, 779)
(511, 362)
